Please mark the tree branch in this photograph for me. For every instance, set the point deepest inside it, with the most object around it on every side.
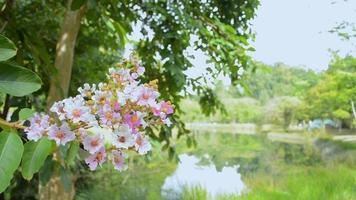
(16, 125)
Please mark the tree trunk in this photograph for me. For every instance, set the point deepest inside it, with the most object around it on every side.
(54, 190)
(59, 86)
(60, 81)
(353, 109)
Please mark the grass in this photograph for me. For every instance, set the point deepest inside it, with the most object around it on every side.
(295, 184)
(194, 193)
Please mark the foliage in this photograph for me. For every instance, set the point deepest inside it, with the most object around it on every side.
(282, 110)
(268, 82)
(11, 149)
(332, 96)
(34, 156)
(220, 29)
(15, 80)
(241, 110)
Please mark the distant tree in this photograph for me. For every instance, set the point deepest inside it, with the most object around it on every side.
(282, 110)
(265, 82)
(333, 96)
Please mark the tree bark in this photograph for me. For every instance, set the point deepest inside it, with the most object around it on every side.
(353, 109)
(60, 81)
(59, 86)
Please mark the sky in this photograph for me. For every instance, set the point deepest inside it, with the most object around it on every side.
(295, 32)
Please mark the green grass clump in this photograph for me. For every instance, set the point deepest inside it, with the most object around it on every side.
(295, 184)
(194, 193)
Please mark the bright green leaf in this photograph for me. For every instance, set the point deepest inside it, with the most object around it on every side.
(72, 152)
(65, 178)
(11, 149)
(34, 156)
(7, 48)
(18, 81)
(25, 113)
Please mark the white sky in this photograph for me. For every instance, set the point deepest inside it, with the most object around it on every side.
(294, 32)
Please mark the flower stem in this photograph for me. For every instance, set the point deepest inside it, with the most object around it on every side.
(15, 125)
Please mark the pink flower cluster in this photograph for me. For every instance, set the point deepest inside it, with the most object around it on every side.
(108, 119)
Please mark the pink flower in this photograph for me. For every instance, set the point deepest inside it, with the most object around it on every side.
(142, 145)
(61, 134)
(96, 159)
(34, 132)
(39, 126)
(82, 133)
(40, 120)
(130, 92)
(167, 121)
(118, 160)
(120, 75)
(102, 97)
(86, 90)
(140, 70)
(77, 111)
(134, 120)
(163, 108)
(117, 107)
(147, 97)
(58, 108)
(108, 116)
(93, 143)
(124, 138)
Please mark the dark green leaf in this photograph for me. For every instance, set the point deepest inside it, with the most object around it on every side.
(11, 149)
(46, 171)
(76, 4)
(18, 81)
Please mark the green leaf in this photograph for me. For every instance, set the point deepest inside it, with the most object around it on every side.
(72, 152)
(35, 156)
(46, 171)
(11, 149)
(76, 4)
(26, 113)
(65, 178)
(7, 48)
(18, 81)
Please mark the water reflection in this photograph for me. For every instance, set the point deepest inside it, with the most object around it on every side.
(190, 174)
(320, 168)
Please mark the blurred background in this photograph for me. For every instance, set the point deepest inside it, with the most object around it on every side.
(264, 92)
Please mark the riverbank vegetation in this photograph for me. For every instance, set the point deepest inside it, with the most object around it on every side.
(285, 95)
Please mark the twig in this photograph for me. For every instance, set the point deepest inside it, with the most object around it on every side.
(15, 125)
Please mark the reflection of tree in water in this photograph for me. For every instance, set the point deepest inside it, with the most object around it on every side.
(299, 154)
(142, 180)
(226, 150)
(251, 153)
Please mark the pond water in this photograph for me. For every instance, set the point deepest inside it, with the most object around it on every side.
(190, 173)
(232, 166)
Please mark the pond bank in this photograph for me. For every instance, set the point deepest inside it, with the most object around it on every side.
(296, 134)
